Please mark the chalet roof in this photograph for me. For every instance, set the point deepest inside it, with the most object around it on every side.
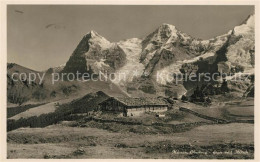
(128, 101)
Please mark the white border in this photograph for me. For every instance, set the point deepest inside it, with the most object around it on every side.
(3, 59)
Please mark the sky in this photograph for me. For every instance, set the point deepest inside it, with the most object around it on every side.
(34, 42)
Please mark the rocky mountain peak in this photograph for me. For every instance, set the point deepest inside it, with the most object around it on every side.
(167, 28)
(95, 53)
(93, 33)
(164, 32)
(165, 51)
(241, 49)
(94, 38)
(247, 27)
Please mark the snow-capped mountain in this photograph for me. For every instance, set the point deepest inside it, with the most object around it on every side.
(93, 54)
(136, 62)
(226, 53)
(167, 50)
(242, 52)
(133, 67)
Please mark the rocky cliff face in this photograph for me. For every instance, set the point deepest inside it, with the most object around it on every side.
(132, 67)
(235, 56)
(166, 51)
(167, 37)
(237, 52)
(93, 54)
(243, 51)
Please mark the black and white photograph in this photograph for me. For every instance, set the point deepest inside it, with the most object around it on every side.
(114, 81)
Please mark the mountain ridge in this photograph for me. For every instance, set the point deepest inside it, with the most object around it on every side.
(166, 50)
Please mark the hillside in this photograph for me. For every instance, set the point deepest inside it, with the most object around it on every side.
(89, 102)
(93, 54)
(74, 104)
(23, 92)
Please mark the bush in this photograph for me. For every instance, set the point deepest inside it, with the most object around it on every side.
(79, 151)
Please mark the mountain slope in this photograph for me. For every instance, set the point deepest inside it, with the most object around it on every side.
(135, 62)
(23, 92)
(19, 89)
(243, 51)
(93, 54)
(235, 57)
(89, 102)
(132, 67)
(167, 45)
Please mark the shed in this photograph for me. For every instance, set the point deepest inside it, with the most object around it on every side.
(133, 106)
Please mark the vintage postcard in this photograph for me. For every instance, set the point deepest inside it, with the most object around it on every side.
(129, 81)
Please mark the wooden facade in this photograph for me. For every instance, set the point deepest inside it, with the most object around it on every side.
(133, 106)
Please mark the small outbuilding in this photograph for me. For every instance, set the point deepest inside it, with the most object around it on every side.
(133, 106)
